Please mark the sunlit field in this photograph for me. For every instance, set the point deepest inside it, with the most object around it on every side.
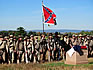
(58, 65)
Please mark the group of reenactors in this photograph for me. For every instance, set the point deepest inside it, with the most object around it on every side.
(31, 49)
(80, 40)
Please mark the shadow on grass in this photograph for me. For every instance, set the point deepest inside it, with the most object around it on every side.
(90, 62)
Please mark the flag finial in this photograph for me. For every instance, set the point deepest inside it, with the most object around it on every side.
(42, 2)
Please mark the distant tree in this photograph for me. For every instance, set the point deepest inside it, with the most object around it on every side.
(82, 32)
(32, 33)
(21, 31)
(38, 33)
(91, 32)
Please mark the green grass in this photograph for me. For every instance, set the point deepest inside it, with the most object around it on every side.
(67, 66)
(57, 64)
(47, 66)
(62, 64)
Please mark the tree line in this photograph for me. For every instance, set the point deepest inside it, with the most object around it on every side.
(23, 32)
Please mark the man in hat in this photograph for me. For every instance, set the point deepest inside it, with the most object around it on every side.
(2, 49)
(81, 40)
(11, 49)
(66, 38)
(37, 50)
(20, 49)
(57, 46)
(6, 40)
(43, 47)
(50, 45)
(15, 52)
(90, 48)
(31, 49)
(28, 49)
(25, 48)
(76, 46)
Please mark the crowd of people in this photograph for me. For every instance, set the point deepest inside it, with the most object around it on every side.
(30, 49)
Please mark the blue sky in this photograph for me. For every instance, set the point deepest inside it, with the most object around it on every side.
(71, 14)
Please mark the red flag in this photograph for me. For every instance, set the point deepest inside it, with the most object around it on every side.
(83, 47)
(49, 16)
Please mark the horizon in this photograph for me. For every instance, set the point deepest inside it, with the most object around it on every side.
(71, 14)
(49, 29)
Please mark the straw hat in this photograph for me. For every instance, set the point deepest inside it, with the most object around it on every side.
(6, 37)
(10, 35)
(80, 35)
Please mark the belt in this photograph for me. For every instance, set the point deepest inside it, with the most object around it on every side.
(11, 46)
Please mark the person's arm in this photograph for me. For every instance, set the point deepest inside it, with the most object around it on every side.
(25, 46)
(48, 45)
(54, 46)
(33, 47)
(17, 47)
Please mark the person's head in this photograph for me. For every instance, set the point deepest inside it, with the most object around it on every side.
(14, 37)
(32, 37)
(28, 39)
(73, 36)
(50, 35)
(20, 37)
(56, 33)
(10, 36)
(1, 37)
(80, 36)
(25, 38)
(92, 37)
(6, 38)
(70, 36)
(43, 36)
(65, 35)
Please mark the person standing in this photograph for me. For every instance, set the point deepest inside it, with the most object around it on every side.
(6, 40)
(50, 45)
(25, 49)
(37, 50)
(11, 49)
(15, 52)
(43, 46)
(2, 49)
(20, 49)
(57, 47)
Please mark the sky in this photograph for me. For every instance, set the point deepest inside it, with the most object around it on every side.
(71, 14)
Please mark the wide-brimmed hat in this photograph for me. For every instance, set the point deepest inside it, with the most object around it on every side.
(56, 33)
(69, 35)
(31, 35)
(26, 37)
(50, 34)
(73, 35)
(6, 37)
(10, 35)
(80, 35)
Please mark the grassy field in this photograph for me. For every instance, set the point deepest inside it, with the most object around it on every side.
(48, 66)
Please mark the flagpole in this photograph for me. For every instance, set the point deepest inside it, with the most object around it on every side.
(43, 18)
(43, 27)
